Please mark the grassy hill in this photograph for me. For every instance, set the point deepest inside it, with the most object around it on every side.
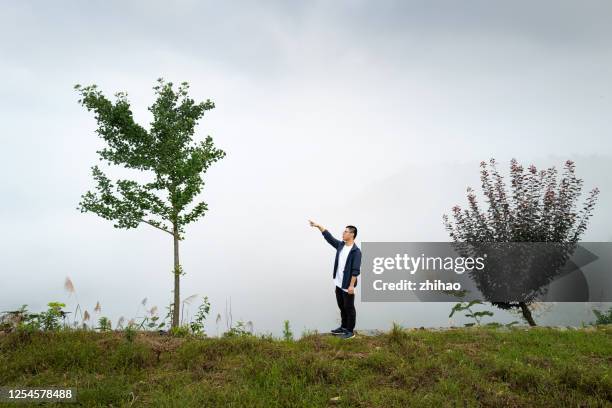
(460, 367)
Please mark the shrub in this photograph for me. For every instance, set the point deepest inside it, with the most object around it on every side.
(603, 317)
(239, 329)
(180, 331)
(104, 324)
(50, 319)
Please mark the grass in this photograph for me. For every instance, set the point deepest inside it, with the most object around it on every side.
(539, 367)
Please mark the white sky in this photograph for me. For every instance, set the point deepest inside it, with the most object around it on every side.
(367, 113)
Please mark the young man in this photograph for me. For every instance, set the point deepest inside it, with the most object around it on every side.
(347, 267)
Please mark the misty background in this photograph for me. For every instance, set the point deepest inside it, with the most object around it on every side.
(375, 114)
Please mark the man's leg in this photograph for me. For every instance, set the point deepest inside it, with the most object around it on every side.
(340, 301)
(351, 313)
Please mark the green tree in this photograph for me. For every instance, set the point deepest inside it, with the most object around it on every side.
(167, 152)
(536, 209)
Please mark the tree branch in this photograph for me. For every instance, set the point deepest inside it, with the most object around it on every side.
(157, 226)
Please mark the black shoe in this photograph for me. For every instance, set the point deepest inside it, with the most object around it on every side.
(348, 335)
(339, 330)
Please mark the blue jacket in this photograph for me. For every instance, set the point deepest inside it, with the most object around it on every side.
(353, 262)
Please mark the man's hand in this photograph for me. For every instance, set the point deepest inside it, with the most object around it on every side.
(351, 288)
(314, 224)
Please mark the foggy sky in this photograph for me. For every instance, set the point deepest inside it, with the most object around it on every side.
(367, 113)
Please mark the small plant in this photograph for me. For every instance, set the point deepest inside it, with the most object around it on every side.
(130, 333)
(104, 324)
(150, 320)
(180, 331)
(240, 329)
(477, 316)
(603, 317)
(287, 333)
(168, 317)
(266, 336)
(397, 334)
(309, 333)
(197, 325)
(50, 319)
(19, 319)
(152, 324)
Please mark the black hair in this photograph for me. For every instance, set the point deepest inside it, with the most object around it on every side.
(352, 229)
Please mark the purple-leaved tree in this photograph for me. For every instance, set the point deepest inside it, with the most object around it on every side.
(537, 208)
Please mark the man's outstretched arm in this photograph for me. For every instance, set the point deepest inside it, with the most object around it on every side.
(326, 234)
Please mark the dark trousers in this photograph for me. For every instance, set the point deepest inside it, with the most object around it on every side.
(346, 304)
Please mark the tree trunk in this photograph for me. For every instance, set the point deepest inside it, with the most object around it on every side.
(527, 314)
(177, 276)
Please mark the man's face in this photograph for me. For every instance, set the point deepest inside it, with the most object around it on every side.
(347, 234)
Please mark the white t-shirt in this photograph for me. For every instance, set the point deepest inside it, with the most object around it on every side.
(341, 262)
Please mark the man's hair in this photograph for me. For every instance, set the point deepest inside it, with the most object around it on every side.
(352, 229)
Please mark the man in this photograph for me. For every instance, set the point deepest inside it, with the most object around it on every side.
(347, 266)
